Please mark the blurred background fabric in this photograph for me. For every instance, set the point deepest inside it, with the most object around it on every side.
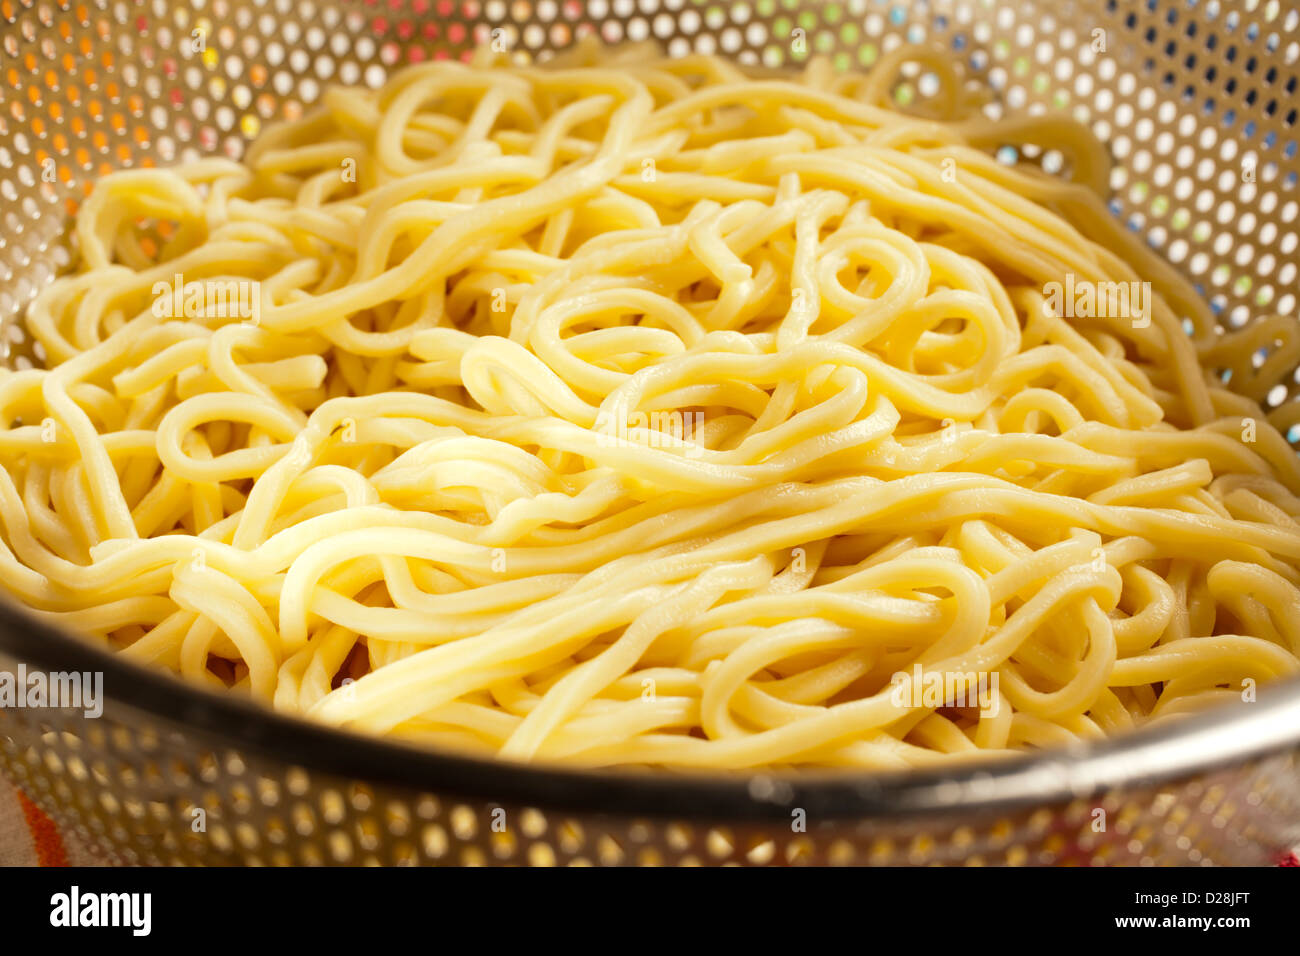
(30, 838)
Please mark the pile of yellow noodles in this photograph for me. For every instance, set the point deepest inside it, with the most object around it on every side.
(644, 411)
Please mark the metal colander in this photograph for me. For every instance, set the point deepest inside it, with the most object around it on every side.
(1196, 100)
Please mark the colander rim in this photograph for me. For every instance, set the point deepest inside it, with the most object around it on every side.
(1162, 753)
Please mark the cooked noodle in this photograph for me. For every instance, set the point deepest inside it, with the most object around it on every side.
(642, 411)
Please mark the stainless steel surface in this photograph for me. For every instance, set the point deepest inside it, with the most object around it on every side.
(1197, 102)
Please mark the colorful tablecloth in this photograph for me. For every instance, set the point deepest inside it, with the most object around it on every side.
(29, 838)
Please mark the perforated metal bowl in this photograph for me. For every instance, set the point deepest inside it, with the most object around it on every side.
(1197, 102)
